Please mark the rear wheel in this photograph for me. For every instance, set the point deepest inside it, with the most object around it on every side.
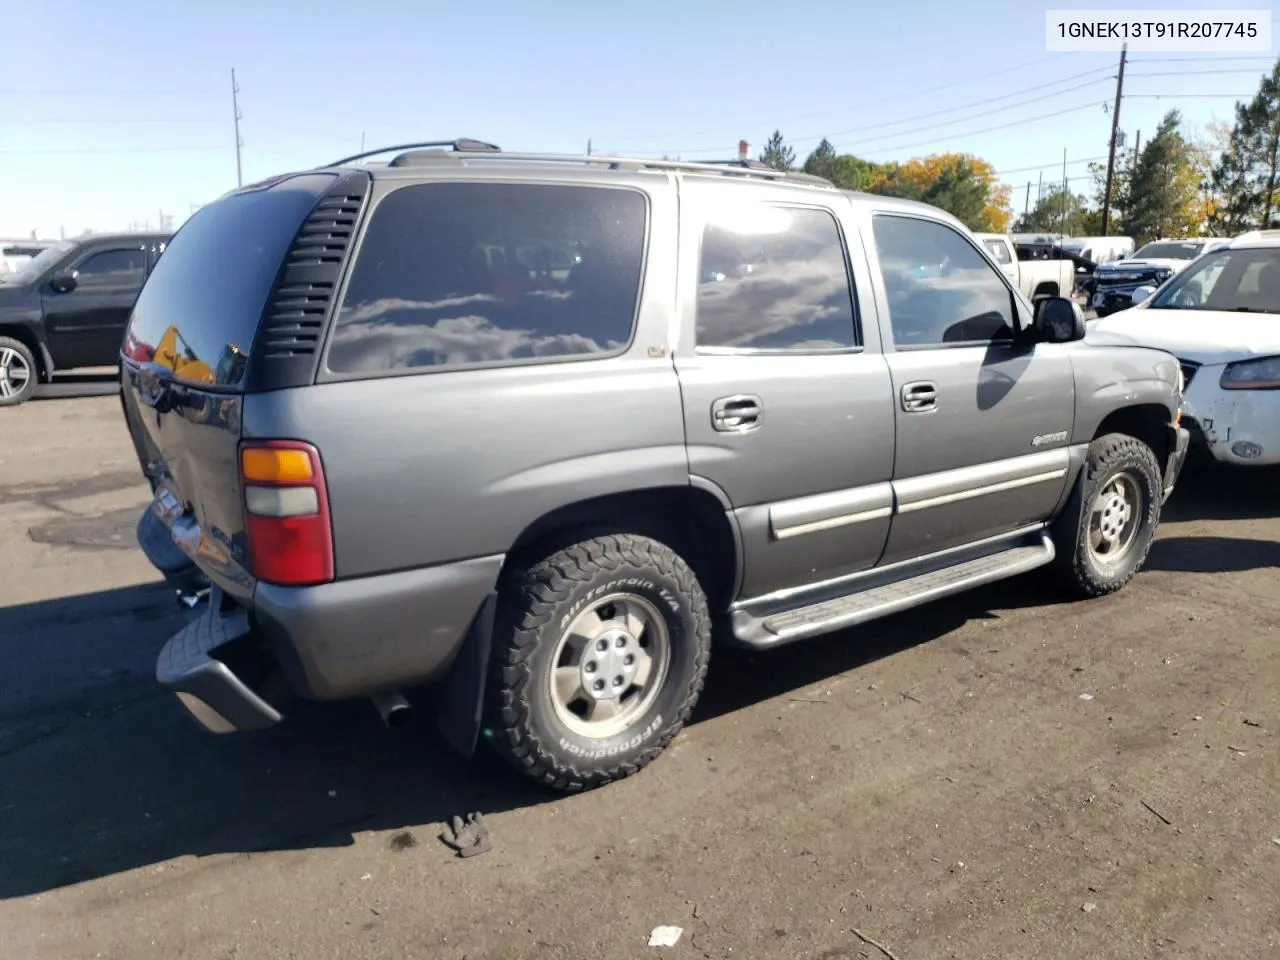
(600, 651)
(1106, 531)
(18, 372)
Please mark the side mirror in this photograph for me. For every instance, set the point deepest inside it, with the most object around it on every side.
(1059, 320)
(63, 282)
(1141, 293)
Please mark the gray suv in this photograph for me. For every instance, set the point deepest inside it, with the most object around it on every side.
(529, 430)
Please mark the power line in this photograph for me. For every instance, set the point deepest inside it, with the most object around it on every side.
(1181, 96)
(100, 120)
(936, 113)
(1002, 126)
(1050, 163)
(97, 151)
(826, 113)
(1229, 58)
(1193, 73)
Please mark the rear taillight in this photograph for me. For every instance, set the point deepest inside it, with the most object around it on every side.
(286, 512)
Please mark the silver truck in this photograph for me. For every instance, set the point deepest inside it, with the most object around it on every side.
(527, 432)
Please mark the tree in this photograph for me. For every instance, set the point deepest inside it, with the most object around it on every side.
(1057, 211)
(777, 154)
(1245, 178)
(1162, 195)
(963, 185)
(843, 169)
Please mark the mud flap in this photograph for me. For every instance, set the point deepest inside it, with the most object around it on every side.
(462, 695)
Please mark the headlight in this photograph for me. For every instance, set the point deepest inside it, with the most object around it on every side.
(1262, 374)
(1163, 275)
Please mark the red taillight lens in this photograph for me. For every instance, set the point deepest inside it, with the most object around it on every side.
(286, 507)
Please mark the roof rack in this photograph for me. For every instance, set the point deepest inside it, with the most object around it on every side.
(460, 145)
(456, 151)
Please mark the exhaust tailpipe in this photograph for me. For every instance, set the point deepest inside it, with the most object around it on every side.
(393, 708)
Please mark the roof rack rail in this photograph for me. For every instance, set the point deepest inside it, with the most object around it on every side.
(744, 168)
(459, 145)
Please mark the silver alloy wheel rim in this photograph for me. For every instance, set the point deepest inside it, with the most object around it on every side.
(14, 373)
(1114, 519)
(609, 665)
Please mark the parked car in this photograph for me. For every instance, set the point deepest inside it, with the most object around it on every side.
(1036, 276)
(1155, 262)
(753, 400)
(1219, 317)
(1100, 249)
(68, 307)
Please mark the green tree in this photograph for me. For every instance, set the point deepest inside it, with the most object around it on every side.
(1162, 194)
(965, 186)
(1057, 211)
(843, 169)
(1244, 180)
(777, 154)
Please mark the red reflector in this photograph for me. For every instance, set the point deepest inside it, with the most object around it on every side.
(291, 551)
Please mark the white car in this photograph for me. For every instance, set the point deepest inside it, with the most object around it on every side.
(1221, 318)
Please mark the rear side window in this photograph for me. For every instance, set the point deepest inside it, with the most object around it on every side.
(773, 277)
(454, 274)
(998, 251)
(198, 312)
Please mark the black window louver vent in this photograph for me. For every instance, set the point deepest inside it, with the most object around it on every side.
(295, 316)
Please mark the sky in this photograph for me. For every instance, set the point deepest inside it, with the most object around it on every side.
(113, 114)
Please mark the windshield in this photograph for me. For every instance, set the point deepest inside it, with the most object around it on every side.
(1244, 280)
(39, 263)
(1169, 250)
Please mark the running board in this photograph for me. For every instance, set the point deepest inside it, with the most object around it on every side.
(773, 629)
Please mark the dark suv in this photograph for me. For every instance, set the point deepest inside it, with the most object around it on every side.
(525, 428)
(68, 307)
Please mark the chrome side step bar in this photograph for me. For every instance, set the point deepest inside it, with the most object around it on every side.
(785, 626)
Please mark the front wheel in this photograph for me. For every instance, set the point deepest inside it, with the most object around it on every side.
(18, 374)
(600, 651)
(1106, 531)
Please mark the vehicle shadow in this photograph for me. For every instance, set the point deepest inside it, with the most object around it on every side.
(104, 773)
(1207, 490)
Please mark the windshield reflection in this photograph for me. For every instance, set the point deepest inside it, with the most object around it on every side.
(1244, 280)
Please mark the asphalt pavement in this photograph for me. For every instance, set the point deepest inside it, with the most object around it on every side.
(1001, 775)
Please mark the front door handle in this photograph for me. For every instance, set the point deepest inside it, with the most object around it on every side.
(920, 396)
(737, 414)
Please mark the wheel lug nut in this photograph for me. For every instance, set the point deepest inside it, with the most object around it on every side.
(602, 644)
(591, 666)
(618, 681)
(620, 642)
(629, 659)
(598, 685)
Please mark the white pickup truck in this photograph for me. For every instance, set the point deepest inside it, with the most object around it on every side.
(1036, 278)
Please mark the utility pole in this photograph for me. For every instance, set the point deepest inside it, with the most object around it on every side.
(362, 141)
(1062, 224)
(1040, 188)
(235, 111)
(1111, 154)
(588, 146)
(1026, 204)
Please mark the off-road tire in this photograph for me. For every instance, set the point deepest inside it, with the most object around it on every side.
(33, 372)
(1079, 571)
(535, 604)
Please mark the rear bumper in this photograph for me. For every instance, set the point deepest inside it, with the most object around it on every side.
(1180, 441)
(188, 666)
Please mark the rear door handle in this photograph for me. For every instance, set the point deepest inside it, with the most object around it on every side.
(737, 414)
(919, 396)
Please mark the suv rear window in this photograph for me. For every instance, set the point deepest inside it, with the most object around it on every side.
(198, 312)
(452, 274)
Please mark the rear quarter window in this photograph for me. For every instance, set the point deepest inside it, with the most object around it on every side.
(464, 274)
(199, 310)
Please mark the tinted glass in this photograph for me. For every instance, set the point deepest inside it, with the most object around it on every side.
(940, 289)
(465, 273)
(1170, 251)
(1244, 280)
(199, 310)
(774, 278)
(113, 268)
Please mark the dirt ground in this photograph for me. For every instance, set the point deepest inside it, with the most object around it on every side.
(937, 782)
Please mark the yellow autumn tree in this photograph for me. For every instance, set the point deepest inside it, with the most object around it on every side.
(960, 183)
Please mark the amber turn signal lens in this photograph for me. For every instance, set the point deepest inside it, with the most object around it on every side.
(272, 465)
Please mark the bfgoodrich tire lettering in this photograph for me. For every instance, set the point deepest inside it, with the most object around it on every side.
(1117, 468)
(542, 601)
